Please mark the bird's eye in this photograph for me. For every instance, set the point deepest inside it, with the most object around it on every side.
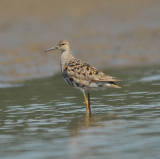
(63, 44)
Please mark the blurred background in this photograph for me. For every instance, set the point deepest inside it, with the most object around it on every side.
(103, 33)
(41, 117)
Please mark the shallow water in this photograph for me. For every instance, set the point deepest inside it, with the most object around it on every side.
(45, 118)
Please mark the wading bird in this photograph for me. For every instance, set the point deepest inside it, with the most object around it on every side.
(82, 75)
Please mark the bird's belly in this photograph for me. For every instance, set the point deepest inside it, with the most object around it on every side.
(98, 86)
(74, 83)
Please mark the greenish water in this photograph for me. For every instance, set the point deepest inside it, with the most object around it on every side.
(45, 118)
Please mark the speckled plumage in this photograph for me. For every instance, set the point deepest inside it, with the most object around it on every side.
(79, 74)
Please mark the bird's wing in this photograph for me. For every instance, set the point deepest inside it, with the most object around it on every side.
(84, 72)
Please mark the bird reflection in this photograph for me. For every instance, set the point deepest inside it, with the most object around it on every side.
(81, 123)
(77, 125)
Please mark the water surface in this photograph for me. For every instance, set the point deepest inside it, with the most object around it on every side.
(45, 118)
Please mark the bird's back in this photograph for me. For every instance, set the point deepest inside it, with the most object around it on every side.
(80, 74)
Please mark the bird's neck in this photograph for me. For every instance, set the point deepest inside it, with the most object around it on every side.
(66, 56)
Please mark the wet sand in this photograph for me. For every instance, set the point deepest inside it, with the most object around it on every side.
(103, 33)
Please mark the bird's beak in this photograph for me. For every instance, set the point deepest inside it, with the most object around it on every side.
(52, 48)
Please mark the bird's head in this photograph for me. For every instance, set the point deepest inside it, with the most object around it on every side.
(63, 45)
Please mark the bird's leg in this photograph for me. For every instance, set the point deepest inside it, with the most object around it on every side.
(87, 101)
(89, 108)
